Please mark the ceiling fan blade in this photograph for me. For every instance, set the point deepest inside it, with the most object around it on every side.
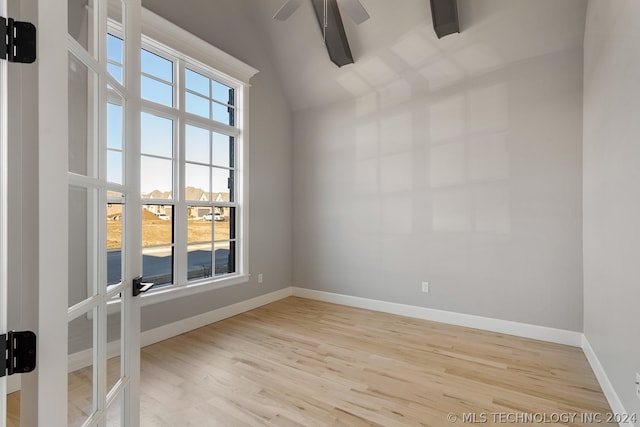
(287, 10)
(355, 10)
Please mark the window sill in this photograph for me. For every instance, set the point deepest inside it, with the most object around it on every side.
(172, 292)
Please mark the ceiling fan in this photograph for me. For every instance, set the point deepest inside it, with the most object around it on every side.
(353, 8)
(327, 12)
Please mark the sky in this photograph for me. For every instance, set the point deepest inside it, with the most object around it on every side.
(208, 154)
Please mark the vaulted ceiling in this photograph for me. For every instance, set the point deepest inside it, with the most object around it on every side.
(397, 49)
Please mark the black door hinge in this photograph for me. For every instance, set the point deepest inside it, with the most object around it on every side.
(17, 41)
(17, 353)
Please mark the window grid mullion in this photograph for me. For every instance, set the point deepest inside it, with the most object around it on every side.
(181, 238)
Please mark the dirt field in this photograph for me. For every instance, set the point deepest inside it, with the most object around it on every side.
(156, 231)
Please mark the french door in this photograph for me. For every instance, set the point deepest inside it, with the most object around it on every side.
(89, 115)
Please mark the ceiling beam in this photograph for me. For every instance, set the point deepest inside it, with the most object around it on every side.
(445, 17)
(336, 38)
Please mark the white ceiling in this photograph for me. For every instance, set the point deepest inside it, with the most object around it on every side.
(397, 47)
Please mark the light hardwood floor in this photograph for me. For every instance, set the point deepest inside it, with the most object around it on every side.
(298, 362)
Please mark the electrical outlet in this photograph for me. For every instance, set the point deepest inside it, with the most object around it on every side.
(425, 287)
(260, 278)
(638, 384)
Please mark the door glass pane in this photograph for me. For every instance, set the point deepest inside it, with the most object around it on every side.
(82, 236)
(82, 23)
(115, 222)
(115, 138)
(115, 412)
(114, 346)
(115, 46)
(82, 122)
(81, 404)
(115, 43)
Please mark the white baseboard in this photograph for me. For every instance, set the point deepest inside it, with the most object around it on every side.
(603, 379)
(543, 333)
(167, 331)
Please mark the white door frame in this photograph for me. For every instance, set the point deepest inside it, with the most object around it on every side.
(3, 214)
(52, 191)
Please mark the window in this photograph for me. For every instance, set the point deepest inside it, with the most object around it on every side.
(192, 148)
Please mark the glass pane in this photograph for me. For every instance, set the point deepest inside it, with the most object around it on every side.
(197, 181)
(115, 137)
(156, 176)
(80, 381)
(114, 49)
(223, 150)
(196, 82)
(199, 224)
(114, 167)
(223, 93)
(82, 265)
(157, 225)
(114, 346)
(195, 104)
(197, 147)
(82, 139)
(224, 228)
(115, 216)
(221, 185)
(156, 135)
(199, 261)
(155, 91)
(225, 258)
(157, 265)
(81, 22)
(115, 46)
(115, 71)
(115, 133)
(156, 66)
(114, 413)
(223, 114)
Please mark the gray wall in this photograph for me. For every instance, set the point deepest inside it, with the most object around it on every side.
(611, 202)
(225, 25)
(474, 187)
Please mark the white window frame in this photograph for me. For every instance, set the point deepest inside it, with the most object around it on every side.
(162, 37)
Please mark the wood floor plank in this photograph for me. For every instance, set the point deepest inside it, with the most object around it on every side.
(299, 362)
